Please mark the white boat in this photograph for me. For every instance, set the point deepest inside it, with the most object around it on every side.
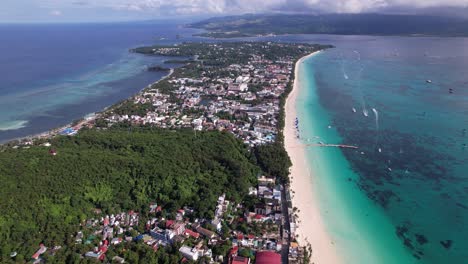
(365, 113)
(429, 81)
(354, 110)
(380, 150)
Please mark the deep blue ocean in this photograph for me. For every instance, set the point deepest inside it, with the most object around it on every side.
(54, 74)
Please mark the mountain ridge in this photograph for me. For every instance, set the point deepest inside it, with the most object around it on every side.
(339, 24)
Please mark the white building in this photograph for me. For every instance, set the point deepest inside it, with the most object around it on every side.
(189, 253)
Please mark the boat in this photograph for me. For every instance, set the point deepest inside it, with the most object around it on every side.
(429, 81)
(365, 113)
(354, 110)
(380, 150)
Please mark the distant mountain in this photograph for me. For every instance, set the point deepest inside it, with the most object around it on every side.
(341, 24)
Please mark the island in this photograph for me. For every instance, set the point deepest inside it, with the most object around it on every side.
(254, 25)
(193, 168)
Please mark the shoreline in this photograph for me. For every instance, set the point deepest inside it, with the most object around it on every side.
(85, 120)
(311, 228)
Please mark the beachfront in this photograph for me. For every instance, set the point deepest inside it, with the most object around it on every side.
(311, 228)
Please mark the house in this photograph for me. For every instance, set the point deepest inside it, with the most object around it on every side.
(264, 181)
(189, 253)
(277, 193)
(39, 252)
(92, 254)
(217, 224)
(99, 253)
(205, 232)
(153, 207)
(260, 209)
(178, 228)
(191, 233)
(116, 241)
(164, 236)
(240, 260)
(118, 259)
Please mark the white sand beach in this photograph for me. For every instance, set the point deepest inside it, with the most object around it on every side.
(311, 228)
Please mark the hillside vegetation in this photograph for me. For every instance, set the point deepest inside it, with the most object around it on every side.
(44, 198)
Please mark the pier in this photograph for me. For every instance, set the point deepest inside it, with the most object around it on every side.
(331, 146)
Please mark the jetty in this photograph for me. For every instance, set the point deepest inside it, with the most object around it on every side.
(332, 146)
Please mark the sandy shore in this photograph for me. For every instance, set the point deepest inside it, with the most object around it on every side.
(311, 228)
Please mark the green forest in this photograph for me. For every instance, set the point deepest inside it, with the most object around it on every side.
(44, 197)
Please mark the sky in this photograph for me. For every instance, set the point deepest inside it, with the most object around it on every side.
(49, 11)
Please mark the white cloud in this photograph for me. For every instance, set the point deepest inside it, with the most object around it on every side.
(233, 7)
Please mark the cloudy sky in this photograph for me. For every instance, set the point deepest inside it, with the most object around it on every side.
(115, 10)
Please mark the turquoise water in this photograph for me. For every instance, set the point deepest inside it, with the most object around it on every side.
(54, 74)
(402, 197)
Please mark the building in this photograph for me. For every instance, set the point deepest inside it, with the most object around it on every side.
(240, 260)
(165, 236)
(191, 233)
(267, 257)
(205, 232)
(42, 249)
(189, 253)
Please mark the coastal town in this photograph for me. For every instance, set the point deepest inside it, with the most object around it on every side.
(235, 88)
(239, 88)
(238, 233)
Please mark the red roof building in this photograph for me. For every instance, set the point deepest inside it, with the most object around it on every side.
(267, 257)
(41, 251)
(191, 233)
(259, 217)
(234, 251)
(106, 221)
(240, 260)
(169, 223)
